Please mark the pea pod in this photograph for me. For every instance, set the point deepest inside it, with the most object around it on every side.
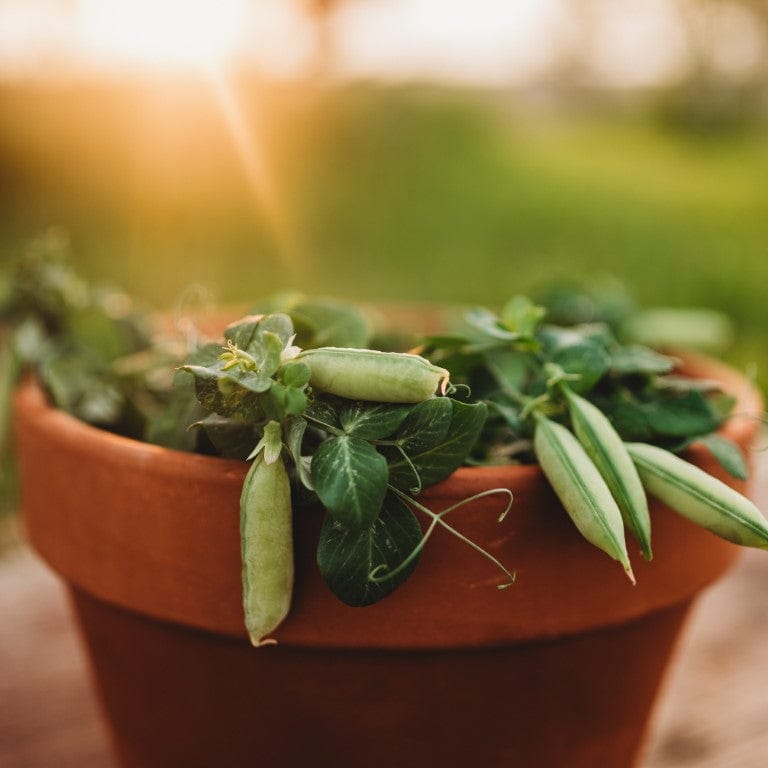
(266, 542)
(367, 374)
(606, 449)
(698, 496)
(581, 489)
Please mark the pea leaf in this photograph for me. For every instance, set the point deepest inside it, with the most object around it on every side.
(333, 324)
(323, 412)
(80, 387)
(587, 359)
(295, 375)
(232, 439)
(489, 325)
(637, 359)
(281, 401)
(225, 393)
(683, 416)
(508, 368)
(320, 322)
(279, 324)
(728, 455)
(438, 461)
(296, 427)
(521, 315)
(426, 425)
(247, 333)
(244, 332)
(346, 557)
(372, 421)
(350, 478)
(629, 420)
(510, 414)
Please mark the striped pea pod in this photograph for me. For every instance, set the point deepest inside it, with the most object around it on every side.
(367, 374)
(266, 540)
(701, 498)
(608, 453)
(581, 489)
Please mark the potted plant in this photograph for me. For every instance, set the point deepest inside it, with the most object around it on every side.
(394, 643)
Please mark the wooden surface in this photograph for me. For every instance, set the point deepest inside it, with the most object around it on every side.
(713, 712)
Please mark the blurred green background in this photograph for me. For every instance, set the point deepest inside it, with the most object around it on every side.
(413, 190)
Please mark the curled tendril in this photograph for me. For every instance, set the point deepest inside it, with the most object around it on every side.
(454, 388)
(437, 519)
(416, 490)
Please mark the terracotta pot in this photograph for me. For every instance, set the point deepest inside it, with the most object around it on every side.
(559, 670)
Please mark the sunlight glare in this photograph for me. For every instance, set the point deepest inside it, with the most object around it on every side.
(247, 135)
(171, 33)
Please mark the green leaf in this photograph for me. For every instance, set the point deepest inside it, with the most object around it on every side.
(640, 360)
(522, 316)
(437, 462)
(282, 401)
(508, 368)
(81, 388)
(295, 375)
(267, 354)
(629, 420)
(323, 412)
(295, 429)
(320, 322)
(279, 324)
(92, 328)
(372, 421)
(232, 439)
(247, 333)
(728, 455)
(222, 392)
(683, 416)
(510, 414)
(350, 478)
(244, 332)
(426, 425)
(587, 359)
(347, 557)
(485, 321)
(333, 324)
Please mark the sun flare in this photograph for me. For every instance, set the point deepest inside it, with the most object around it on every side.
(171, 33)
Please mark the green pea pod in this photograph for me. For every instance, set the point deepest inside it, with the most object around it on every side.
(606, 449)
(367, 374)
(581, 489)
(266, 542)
(698, 496)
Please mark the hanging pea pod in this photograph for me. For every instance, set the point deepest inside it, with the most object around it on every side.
(606, 449)
(701, 498)
(266, 540)
(367, 374)
(581, 489)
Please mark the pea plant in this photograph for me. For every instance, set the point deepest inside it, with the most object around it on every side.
(605, 421)
(363, 431)
(330, 418)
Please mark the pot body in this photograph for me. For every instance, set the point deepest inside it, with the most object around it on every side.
(558, 670)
